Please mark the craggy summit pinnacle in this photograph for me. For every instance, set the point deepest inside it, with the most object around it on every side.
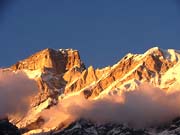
(57, 60)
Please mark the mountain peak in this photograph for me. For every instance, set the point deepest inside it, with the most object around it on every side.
(56, 60)
(154, 50)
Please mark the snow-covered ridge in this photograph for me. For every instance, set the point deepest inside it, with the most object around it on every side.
(169, 54)
(127, 74)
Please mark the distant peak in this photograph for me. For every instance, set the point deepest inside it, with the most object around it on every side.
(153, 49)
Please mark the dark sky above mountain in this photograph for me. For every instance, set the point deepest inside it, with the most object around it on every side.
(102, 30)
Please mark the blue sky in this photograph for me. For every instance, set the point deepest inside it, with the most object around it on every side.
(102, 30)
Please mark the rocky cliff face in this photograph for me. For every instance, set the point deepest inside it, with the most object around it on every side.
(58, 61)
(48, 68)
(61, 73)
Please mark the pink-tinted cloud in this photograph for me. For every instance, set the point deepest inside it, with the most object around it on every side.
(144, 107)
(15, 90)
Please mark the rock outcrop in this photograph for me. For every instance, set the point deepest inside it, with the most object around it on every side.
(58, 61)
(51, 65)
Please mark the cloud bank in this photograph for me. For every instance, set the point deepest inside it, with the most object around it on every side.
(15, 92)
(144, 107)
